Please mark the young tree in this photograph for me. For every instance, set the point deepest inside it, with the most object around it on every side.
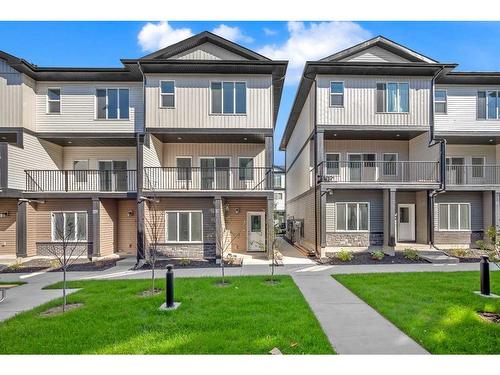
(155, 223)
(223, 243)
(69, 247)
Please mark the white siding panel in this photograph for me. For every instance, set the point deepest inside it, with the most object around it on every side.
(469, 151)
(192, 103)
(78, 108)
(375, 54)
(207, 51)
(360, 102)
(94, 154)
(11, 100)
(378, 147)
(330, 216)
(153, 152)
(420, 151)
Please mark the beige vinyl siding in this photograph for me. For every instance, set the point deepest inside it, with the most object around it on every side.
(377, 147)
(470, 151)
(35, 154)
(302, 208)
(108, 226)
(299, 177)
(78, 112)
(360, 102)
(11, 96)
(127, 231)
(375, 54)
(94, 154)
(207, 51)
(8, 227)
(461, 113)
(418, 149)
(153, 152)
(192, 103)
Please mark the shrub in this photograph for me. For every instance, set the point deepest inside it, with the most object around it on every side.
(184, 262)
(16, 266)
(459, 252)
(377, 255)
(344, 255)
(411, 254)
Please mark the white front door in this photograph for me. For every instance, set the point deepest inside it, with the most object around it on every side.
(406, 222)
(256, 231)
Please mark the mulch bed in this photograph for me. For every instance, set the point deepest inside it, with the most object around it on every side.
(490, 317)
(180, 263)
(366, 258)
(37, 265)
(59, 309)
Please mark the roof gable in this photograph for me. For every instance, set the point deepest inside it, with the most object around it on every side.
(208, 46)
(379, 49)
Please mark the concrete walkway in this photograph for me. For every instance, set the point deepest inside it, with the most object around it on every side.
(352, 326)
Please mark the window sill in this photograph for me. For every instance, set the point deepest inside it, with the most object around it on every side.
(229, 114)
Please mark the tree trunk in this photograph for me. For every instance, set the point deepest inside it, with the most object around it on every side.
(64, 289)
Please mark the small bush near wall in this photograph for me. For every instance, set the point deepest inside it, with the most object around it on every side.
(344, 255)
(411, 254)
(377, 255)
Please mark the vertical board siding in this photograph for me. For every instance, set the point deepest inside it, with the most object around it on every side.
(78, 113)
(476, 206)
(11, 96)
(299, 177)
(29, 108)
(8, 227)
(127, 234)
(360, 102)
(207, 51)
(192, 103)
(461, 113)
(375, 54)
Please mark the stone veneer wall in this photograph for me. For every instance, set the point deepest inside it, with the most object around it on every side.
(193, 251)
(82, 250)
(354, 239)
(458, 238)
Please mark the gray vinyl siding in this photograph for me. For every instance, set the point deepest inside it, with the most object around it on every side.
(360, 102)
(469, 151)
(192, 103)
(476, 207)
(461, 113)
(373, 197)
(207, 51)
(78, 113)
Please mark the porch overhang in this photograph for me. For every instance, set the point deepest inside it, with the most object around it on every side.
(349, 132)
(470, 138)
(90, 139)
(214, 135)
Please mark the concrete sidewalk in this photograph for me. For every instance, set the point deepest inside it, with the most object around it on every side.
(351, 325)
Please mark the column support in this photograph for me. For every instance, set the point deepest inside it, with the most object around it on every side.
(270, 226)
(218, 225)
(140, 202)
(22, 229)
(269, 162)
(96, 227)
(323, 218)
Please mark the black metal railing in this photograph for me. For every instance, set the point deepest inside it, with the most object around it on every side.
(379, 171)
(81, 180)
(198, 178)
(473, 174)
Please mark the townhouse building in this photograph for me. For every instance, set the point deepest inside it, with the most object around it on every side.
(279, 198)
(187, 130)
(392, 149)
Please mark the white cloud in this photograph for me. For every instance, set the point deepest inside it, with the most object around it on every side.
(234, 34)
(154, 36)
(313, 42)
(269, 32)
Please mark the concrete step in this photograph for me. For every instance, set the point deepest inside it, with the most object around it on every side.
(437, 257)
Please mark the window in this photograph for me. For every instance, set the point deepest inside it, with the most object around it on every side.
(184, 226)
(278, 180)
(352, 217)
(337, 94)
(454, 216)
(488, 105)
(81, 168)
(167, 94)
(54, 101)
(278, 196)
(69, 226)
(369, 160)
(245, 169)
(228, 97)
(478, 167)
(112, 104)
(183, 169)
(390, 164)
(393, 97)
(332, 164)
(440, 101)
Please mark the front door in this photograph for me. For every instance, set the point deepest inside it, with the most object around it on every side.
(406, 222)
(256, 231)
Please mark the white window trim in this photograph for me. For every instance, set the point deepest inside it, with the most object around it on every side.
(459, 216)
(96, 118)
(253, 172)
(326, 161)
(498, 106)
(445, 101)
(336, 94)
(178, 226)
(49, 101)
(218, 157)
(222, 99)
(383, 161)
(177, 168)
(483, 166)
(64, 225)
(167, 94)
(386, 109)
(357, 217)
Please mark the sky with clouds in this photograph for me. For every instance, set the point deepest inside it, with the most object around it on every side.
(474, 45)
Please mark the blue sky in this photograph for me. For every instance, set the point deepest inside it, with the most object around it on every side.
(473, 45)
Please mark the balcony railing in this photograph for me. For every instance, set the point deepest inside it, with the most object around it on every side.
(473, 174)
(417, 172)
(197, 178)
(81, 180)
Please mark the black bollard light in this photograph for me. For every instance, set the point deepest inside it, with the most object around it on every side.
(170, 286)
(484, 267)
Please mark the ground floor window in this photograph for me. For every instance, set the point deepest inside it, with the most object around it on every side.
(352, 216)
(183, 226)
(69, 226)
(454, 216)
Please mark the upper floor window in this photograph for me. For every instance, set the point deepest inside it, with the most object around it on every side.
(278, 196)
(440, 101)
(337, 94)
(245, 169)
(112, 104)
(54, 100)
(228, 98)
(390, 164)
(167, 94)
(393, 97)
(183, 168)
(488, 105)
(332, 164)
(279, 181)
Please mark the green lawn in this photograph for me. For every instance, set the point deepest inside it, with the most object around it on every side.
(436, 309)
(246, 317)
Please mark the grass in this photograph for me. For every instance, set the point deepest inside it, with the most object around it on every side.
(436, 309)
(12, 282)
(246, 317)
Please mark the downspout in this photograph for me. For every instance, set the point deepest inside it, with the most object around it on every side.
(140, 162)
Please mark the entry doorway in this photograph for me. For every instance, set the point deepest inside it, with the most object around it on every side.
(256, 231)
(406, 222)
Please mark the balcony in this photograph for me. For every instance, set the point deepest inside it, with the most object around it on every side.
(473, 174)
(397, 172)
(208, 179)
(81, 180)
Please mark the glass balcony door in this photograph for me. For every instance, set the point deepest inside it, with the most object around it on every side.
(215, 173)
